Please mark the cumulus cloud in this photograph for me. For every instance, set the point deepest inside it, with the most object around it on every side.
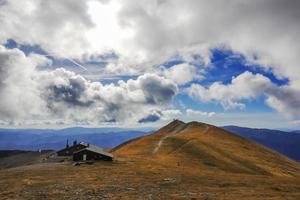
(170, 114)
(156, 115)
(245, 86)
(28, 93)
(146, 33)
(150, 118)
(59, 27)
(18, 87)
(156, 89)
(182, 73)
(266, 32)
(286, 100)
(122, 102)
(191, 112)
(142, 35)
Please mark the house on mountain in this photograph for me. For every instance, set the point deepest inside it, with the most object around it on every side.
(85, 151)
(69, 150)
(92, 153)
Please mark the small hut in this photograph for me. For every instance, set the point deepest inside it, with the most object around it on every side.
(69, 150)
(84, 151)
(92, 153)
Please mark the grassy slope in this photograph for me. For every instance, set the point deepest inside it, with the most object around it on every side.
(15, 158)
(139, 179)
(206, 147)
(193, 162)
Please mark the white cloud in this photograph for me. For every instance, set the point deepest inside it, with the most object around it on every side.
(182, 73)
(295, 122)
(28, 93)
(191, 112)
(156, 115)
(57, 26)
(146, 33)
(162, 29)
(285, 100)
(142, 35)
(18, 84)
(245, 86)
(171, 114)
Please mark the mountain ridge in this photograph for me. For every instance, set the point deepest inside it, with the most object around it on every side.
(210, 148)
(286, 143)
(193, 161)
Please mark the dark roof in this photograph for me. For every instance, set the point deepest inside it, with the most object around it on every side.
(70, 147)
(96, 149)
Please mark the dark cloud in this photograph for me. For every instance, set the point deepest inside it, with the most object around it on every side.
(70, 94)
(111, 120)
(285, 100)
(157, 90)
(66, 91)
(150, 118)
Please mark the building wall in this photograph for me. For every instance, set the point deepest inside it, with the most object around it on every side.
(90, 156)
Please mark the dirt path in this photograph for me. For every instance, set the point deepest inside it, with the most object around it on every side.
(206, 128)
(177, 130)
(161, 141)
(158, 145)
(191, 140)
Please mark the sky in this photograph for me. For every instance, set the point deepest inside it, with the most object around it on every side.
(145, 62)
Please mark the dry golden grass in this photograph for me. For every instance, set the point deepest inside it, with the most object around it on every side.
(209, 148)
(139, 179)
(194, 162)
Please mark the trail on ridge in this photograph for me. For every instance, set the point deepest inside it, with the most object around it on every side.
(191, 140)
(178, 129)
(160, 142)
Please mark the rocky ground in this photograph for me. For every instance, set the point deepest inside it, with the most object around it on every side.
(134, 179)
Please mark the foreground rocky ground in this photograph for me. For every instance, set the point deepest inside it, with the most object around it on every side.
(138, 179)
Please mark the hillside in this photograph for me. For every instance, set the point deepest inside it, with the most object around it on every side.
(16, 158)
(286, 143)
(209, 148)
(179, 161)
(296, 131)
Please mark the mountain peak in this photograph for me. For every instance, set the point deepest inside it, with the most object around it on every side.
(209, 148)
(176, 122)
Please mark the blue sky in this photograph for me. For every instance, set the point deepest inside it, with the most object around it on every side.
(224, 65)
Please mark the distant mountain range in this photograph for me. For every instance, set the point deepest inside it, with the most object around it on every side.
(286, 143)
(34, 139)
(297, 131)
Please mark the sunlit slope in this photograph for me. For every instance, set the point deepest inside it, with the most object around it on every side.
(199, 146)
